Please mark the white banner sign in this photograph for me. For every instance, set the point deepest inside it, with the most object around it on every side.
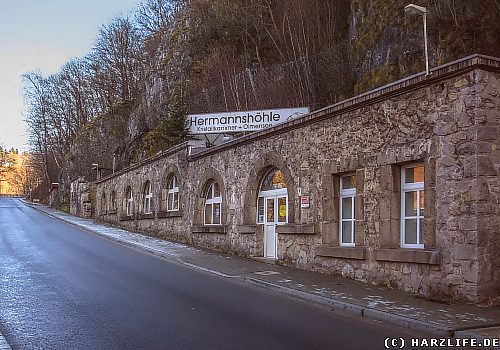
(221, 123)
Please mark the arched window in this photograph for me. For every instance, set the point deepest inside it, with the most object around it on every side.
(172, 194)
(148, 198)
(213, 205)
(113, 201)
(103, 203)
(129, 202)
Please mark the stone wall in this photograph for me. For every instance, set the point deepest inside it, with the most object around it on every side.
(450, 122)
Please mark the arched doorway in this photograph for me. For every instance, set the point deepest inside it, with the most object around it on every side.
(272, 209)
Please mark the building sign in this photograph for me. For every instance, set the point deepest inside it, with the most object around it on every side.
(304, 201)
(221, 123)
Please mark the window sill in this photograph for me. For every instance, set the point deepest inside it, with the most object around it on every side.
(111, 212)
(126, 218)
(169, 214)
(418, 256)
(247, 229)
(221, 229)
(358, 253)
(296, 229)
(146, 216)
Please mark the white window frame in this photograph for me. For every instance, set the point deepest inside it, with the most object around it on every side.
(411, 187)
(211, 202)
(278, 193)
(347, 193)
(113, 200)
(104, 206)
(130, 202)
(172, 191)
(148, 198)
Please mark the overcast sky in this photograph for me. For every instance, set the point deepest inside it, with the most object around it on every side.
(43, 35)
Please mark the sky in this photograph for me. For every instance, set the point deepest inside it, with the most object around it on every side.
(42, 35)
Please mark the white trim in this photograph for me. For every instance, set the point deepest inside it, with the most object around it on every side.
(405, 188)
(172, 190)
(211, 202)
(104, 204)
(129, 204)
(347, 193)
(113, 200)
(278, 193)
(148, 198)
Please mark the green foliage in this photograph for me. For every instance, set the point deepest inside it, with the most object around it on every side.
(380, 76)
(171, 131)
(62, 206)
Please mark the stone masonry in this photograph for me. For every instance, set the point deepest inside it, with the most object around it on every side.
(449, 122)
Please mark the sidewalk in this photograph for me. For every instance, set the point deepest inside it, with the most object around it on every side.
(344, 295)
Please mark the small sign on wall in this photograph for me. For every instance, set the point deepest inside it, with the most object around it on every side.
(304, 201)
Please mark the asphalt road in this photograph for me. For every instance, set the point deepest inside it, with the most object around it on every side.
(63, 288)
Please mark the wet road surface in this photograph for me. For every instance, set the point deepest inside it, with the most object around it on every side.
(63, 288)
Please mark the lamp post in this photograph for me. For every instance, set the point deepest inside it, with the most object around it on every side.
(95, 167)
(420, 10)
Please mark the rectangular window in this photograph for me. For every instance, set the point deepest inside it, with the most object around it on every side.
(412, 206)
(260, 210)
(347, 216)
(170, 201)
(216, 214)
(176, 201)
(208, 214)
(282, 209)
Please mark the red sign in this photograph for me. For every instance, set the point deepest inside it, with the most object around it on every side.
(304, 201)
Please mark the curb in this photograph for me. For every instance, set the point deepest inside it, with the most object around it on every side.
(353, 309)
(358, 310)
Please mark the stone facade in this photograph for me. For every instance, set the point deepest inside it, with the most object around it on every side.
(82, 198)
(449, 122)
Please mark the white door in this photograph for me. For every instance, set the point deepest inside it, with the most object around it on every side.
(276, 213)
(270, 237)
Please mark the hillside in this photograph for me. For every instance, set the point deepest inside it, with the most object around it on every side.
(129, 97)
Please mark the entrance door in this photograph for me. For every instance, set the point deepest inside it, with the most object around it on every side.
(276, 213)
(270, 237)
(272, 209)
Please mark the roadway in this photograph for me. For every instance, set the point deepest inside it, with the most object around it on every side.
(64, 288)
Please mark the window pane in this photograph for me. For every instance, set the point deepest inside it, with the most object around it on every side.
(176, 201)
(273, 180)
(411, 231)
(216, 213)
(278, 180)
(411, 203)
(346, 232)
(347, 208)
(422, 201)
(270, 210)
(260, 209)
(170, 201)
(216, 190)
(348, 182)
(209, 193)
(282, 209)
(208, 214)
(420, 239)
(415, 174)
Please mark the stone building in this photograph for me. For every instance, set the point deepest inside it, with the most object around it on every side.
(398, 186)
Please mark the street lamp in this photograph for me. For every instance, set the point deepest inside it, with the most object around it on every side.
(95, 167)
(420, 10)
